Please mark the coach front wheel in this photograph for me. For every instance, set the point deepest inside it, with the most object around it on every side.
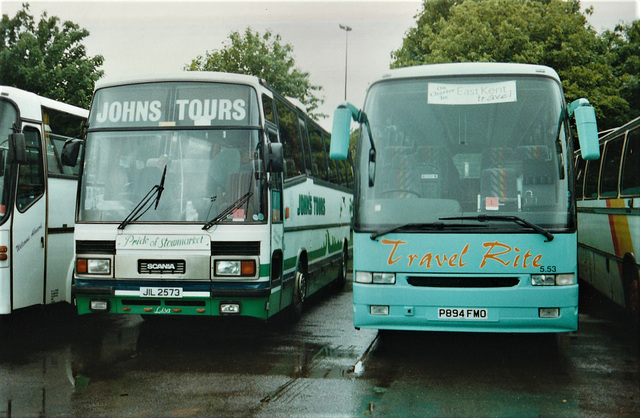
(342, 275)
(299, 291)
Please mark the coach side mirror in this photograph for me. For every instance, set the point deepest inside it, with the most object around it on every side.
(585, 117)
(19, 146)
(340, 133)
(70, 152)
(276, 158)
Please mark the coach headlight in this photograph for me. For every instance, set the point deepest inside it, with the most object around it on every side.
(553, 279)
(235, 268)
(100, 266)
(375, 278)
(565, 279)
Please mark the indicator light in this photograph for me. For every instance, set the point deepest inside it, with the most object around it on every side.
(379, 310)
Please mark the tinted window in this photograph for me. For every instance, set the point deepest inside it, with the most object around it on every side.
(8, 116)
(611, 167)
(348, 166)
(58, 127)
(318, 157)
(288, 126)
(630, 182)
(591, 178)
(305, 145)
(31, 176)
(267, 104)
(580, 167)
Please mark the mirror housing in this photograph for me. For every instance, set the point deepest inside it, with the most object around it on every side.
(19, 146)
(276, 157)
(587, 126)
(340, 133)
(70, 152)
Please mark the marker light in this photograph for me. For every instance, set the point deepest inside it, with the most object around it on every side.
(379, 310)
(81, 265)
(99, 305)
(3, 253)
(549, 312)
(229, 308)
(248, 268)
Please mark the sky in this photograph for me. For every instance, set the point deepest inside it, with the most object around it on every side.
(147, 37)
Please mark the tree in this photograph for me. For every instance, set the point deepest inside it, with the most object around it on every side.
(547, 32)
(266, 57)
(624, 55)
(48, 59)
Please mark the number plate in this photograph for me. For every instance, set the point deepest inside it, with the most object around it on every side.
(160, 292)
(466, 314)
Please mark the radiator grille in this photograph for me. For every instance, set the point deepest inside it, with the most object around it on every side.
(95, 247)
(463, 282)
(235, 248)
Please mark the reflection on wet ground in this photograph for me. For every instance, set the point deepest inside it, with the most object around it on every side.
(55, 363)
(593, 372)
(35, 362)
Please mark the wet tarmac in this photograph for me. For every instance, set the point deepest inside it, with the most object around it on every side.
(53, 363)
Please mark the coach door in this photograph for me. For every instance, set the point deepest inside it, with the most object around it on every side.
(277, 227)
(29, 225)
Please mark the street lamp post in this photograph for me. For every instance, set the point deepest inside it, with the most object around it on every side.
(347, 29)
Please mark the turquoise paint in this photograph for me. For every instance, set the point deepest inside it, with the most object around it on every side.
(508, 309)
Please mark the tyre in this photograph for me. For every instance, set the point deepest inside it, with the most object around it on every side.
(299, 292)
(344, 270)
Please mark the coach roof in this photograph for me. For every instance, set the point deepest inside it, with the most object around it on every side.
(197, 76)
(468, 68)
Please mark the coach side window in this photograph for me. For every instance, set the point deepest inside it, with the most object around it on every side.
(305, 144)
(334, 165)
(318, 157)
(267, 105)
(31, 176)
(630, 182)
(580, 167)
(58, 127)
(292, 148)
(611, 167)
(348, 166)
(591, 178)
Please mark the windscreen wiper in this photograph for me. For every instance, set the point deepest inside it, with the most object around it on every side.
(161, 187)
(414, 226)
(153, 196)
(515, 219)
(228, 210)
